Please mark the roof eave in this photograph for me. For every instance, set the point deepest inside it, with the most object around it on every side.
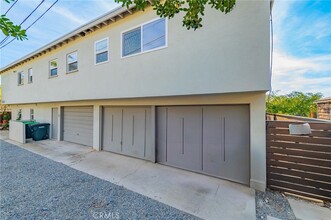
(106, 19)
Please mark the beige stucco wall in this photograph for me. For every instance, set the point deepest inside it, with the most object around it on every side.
(256, 101)
(17, 131)
(229, 54)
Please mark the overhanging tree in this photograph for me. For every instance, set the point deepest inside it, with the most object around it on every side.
(193, 10)
(8, 28)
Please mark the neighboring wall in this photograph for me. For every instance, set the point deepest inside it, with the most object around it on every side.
(324, 109)
(229, 54)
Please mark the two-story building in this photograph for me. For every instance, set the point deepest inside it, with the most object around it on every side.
(135, 84)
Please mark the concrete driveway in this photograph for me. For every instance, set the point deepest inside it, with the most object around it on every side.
(202, 196)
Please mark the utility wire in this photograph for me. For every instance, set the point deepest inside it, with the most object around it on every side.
(42, 15)
(33, 22)
(32, 12)
(11, 6)
(5, 39)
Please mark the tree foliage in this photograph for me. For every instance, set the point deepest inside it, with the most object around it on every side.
(8, 28)
(295, 103)
(193, 9)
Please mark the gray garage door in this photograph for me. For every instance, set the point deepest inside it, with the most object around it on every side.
(127, 130)
(206, 139)
(78, 125)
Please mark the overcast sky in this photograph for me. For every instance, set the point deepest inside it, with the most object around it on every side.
(302, 37)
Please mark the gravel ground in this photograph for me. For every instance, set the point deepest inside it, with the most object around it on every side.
(274, 204)
(33, 187)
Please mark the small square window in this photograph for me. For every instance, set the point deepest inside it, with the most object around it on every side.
(101, 51)
(30, 76)
(20, 78)
(53, 68)
(72, 62)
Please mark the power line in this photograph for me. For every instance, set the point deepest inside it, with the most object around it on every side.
(11, 6)
(32, 12)
(42, 14)
(33, 22)
(6, 38)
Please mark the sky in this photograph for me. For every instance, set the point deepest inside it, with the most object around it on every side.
(301, 49)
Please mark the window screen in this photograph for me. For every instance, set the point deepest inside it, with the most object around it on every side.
(132, 42)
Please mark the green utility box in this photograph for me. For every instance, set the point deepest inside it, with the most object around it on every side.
(28, 131)
(40, 131)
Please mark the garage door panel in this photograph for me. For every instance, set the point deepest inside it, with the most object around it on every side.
(184, 137)
(207, 139)
(237, 149)
(131, 131)
(161, 134)
(78, 125)
(112, 129)
(213, 146)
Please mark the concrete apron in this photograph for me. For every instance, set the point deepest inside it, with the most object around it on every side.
(203, 196)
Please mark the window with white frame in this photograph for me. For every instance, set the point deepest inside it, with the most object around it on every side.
(30, 75)
(32, 114)
(101, 49)
(146, 37)
(20, 78)
(53, 68)
(72, 62)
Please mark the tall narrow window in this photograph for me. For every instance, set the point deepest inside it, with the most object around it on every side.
(19, 114)
(20, 78)
(101, 51)
(30, 75)
(145, 38)
(72, 62)
(53, 68)
(31, 114)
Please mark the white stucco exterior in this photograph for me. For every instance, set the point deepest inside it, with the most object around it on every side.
(226, 62)
(229, 54)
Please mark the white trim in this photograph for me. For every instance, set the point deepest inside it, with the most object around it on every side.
(49, 68)
(67, 63)
(30, 81)
(141, 38)
(95, 47)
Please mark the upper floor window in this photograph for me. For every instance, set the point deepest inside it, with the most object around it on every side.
(31, 114)
(101, 48)
(20, 78)
(72, 62)
(30, 75)
(146, 37)
(53, 68)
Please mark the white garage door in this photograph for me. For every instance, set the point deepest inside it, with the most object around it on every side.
(207, 139)
(78, 125)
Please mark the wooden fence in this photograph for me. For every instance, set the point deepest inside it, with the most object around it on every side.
(299, 164)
